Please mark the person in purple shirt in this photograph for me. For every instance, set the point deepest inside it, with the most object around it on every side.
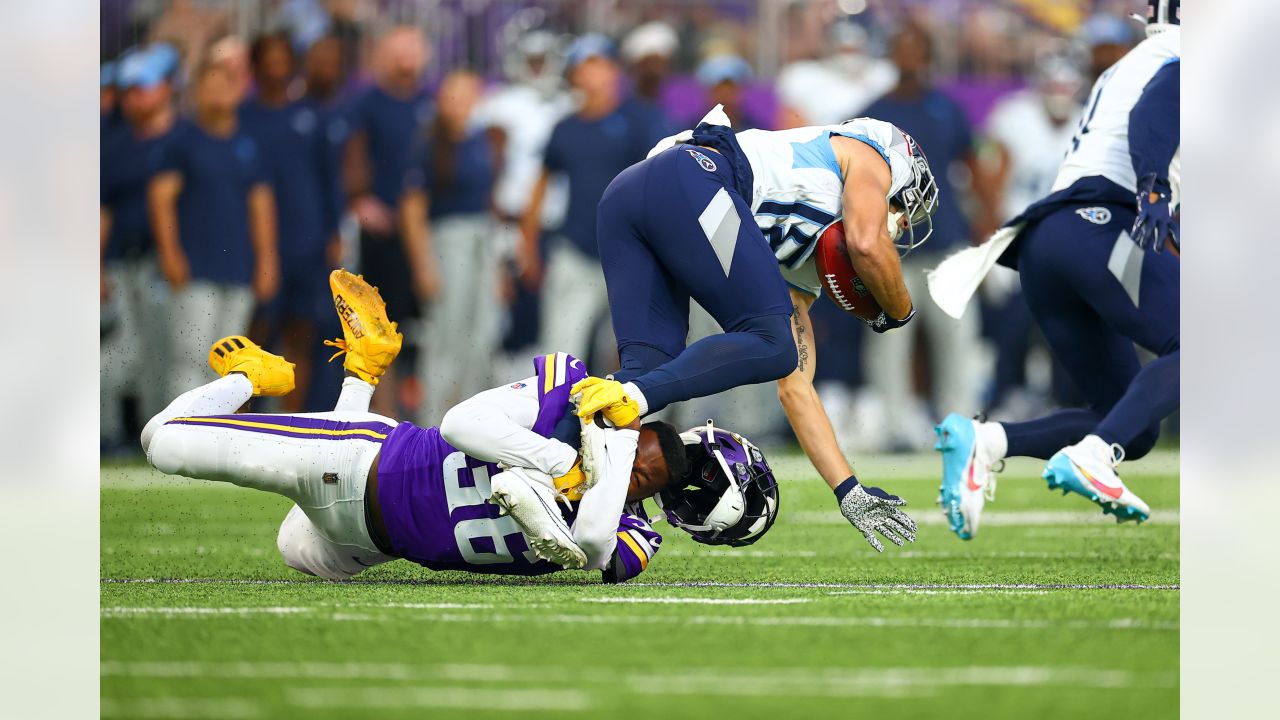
(292, 140)
(369, 490)
(939, 125)
(213, 217)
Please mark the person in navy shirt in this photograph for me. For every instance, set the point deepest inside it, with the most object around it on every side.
(292, 142)
(940, 126)
(446, 211)
(383, 123)
(132, 292)
(607, 134)
(213, 216)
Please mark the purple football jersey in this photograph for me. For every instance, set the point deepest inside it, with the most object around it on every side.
(434, 497)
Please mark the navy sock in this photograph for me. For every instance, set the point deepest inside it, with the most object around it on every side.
(1152, 396)
(759, 350)
(1042, 437)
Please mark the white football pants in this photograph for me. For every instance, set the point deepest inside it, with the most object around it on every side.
(320, 461)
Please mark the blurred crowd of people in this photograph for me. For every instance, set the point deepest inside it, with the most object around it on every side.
(238, 169)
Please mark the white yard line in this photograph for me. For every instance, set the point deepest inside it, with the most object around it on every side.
(687, 584)
(702, 680)
(990, 518)
(222, 708)
(696, 601)
(455, 697)
(190, 613)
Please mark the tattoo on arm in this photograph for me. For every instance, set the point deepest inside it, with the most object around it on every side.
(802, 347)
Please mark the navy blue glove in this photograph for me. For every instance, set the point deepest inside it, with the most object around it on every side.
(883, 323)
(1155, 220)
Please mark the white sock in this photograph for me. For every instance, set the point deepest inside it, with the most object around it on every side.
(993, 438)
(220, 397)
(355, 396)
(635, 394)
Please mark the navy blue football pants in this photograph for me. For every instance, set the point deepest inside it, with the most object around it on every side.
(1095, 295)
(671, 228)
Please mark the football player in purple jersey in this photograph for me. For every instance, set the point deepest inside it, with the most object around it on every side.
(488, 491)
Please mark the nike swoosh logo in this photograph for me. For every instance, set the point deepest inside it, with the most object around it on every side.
(1103, 488)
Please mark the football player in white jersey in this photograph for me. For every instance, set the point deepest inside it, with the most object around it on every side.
(1100, 274)
(732, 221)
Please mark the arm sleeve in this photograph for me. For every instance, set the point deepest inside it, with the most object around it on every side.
(596, 527)
(637, 543)
(494, 426)
(1154, 128)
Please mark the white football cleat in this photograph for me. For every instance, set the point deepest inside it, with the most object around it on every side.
(533, 506)
(1088, 468)
(968, 478)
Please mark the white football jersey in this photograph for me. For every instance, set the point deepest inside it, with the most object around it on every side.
(1101, 144)
(527, 116)
(798, 189)
(1035, 145)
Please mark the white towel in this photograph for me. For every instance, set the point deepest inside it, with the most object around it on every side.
(952, 283)
(715, 117)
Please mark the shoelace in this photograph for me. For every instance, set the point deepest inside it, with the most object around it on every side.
(341, 344)
(1117, 455)
(989, 492)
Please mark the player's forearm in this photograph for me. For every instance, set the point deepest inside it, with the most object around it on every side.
(104, 231)
(596, 528)
(262, 221)
(876, 261)
(162, 206)
(531, 220)
(813, 428)
(483, 428)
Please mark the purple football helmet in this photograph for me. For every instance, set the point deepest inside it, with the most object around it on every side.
(730, 496)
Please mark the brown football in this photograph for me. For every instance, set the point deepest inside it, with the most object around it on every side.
(840, 281)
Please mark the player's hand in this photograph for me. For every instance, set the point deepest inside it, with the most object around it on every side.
(266, 279)
(373, 214)
(605, 396)
(528, 264)
(175, 269)
(427, 282)
(872, 510)
(883, 323)
(1155, 222)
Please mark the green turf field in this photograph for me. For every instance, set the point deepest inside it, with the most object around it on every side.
(1053, 611)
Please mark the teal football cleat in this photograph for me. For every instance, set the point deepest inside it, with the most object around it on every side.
(1088, 468)
(968, 481)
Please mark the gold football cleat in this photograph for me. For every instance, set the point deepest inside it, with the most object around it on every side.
(270, 374)
(369, 339)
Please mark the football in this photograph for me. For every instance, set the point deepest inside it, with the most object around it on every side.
(840, 281)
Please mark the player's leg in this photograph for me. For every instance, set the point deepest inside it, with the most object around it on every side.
(650, 313)
(305, 549)
(1138, 293)
(706, 246)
